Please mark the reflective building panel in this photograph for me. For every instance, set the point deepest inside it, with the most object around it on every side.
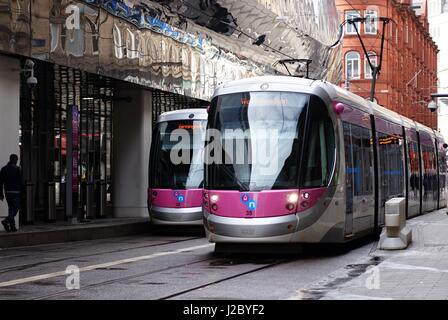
(181, 46)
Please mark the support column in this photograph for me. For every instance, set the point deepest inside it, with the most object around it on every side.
(131, 144)
(9, 116)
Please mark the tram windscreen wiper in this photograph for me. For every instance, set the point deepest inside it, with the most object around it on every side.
(242, 186)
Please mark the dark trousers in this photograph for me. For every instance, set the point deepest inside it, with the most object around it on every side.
(13, 200)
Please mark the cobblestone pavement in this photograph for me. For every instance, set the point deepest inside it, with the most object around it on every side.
(418, 272)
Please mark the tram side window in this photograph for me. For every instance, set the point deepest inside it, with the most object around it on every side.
(367, 153)
(153, 177)
(359, 158)
(430, 170)
(358, 166)
(391, 165)
(442, 169)
(434, 186)
(320, 147)
(414, 167)
(348, 156)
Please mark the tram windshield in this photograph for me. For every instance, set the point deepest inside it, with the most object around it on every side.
(253, 141)
(177, 155)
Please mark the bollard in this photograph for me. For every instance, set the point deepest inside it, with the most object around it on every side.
(102, 199)
(29, 203)
(89, 200)
(395, 235)
(51, 204)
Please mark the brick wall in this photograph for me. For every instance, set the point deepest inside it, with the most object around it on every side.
(409, 66)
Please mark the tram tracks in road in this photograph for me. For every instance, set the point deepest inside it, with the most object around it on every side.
(355, 269)
(196, 288)
(206, 261)
(23, 267)
(120, 279)
(213, 262)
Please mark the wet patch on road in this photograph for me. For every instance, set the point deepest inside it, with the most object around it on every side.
(319, 290)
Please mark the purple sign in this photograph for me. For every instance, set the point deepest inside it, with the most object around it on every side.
(75, 139)
(75, 126)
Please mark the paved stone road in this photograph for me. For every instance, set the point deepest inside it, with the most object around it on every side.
(185, 267)
(162, 267)
(419, 272)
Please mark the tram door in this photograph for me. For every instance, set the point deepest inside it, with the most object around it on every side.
(442, 165)
(429, 173)
(359, 169)
(414, 188)
(348, 180)
(391, 166)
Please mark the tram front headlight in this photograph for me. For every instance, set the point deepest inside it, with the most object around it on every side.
(293, 198)
(214, 198)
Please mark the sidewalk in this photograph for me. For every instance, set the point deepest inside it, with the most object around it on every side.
(62, 231)
(418, 272)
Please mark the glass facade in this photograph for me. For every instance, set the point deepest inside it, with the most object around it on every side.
(178, 50)
(43, 141)
(44, 131)
(182, 47)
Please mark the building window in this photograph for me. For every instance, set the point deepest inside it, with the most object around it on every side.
(352, 65)
(435, 7)
(371, 25)
(406, 36)
(350, 29)
(374, 60)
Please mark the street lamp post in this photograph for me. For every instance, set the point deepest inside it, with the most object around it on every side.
(376, 69)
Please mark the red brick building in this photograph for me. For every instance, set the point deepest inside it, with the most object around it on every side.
(409, 68)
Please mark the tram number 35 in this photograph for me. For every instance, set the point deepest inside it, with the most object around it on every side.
(241, 309)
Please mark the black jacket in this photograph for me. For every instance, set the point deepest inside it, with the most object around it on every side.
(10, 178)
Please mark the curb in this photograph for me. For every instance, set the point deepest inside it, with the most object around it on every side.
(90, 232)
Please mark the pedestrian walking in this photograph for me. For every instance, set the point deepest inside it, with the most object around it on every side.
(11, 182)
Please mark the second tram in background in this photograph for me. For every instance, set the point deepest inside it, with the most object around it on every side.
(176, 168)
(337, 159)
